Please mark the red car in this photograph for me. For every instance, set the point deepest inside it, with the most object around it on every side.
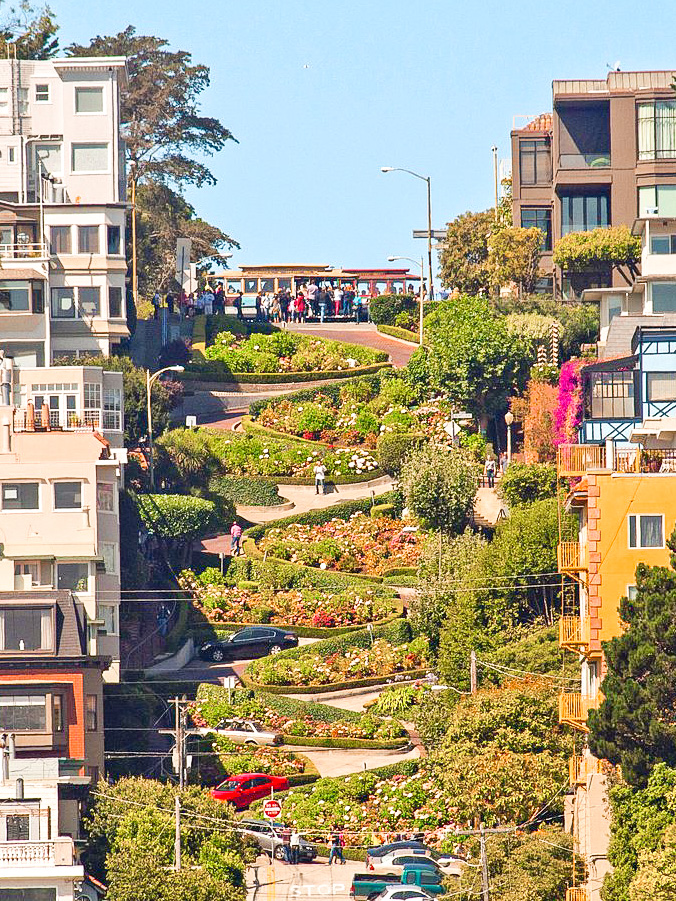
(247, 787)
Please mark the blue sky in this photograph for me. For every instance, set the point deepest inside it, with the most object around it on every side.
(429, 86)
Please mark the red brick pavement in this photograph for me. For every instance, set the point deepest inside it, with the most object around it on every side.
(399, 351)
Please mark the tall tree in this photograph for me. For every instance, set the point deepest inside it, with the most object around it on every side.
(514, 256)
(464, 253)
(30, 30)
(635, 725)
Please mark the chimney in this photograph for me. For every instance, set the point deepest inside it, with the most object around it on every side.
(18, 790)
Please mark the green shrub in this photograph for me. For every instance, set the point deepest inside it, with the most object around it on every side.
(245, 585)
(314, 418)
(366, 423)
(439, 486)
(246, 490)
(393, 449)
(384, 310)
(402, 333)
(525, 483)
(378, 510)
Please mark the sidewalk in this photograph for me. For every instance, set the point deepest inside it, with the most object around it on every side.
(365, 334)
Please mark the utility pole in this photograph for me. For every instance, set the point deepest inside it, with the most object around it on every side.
(482, 832)
(495, 177)
(472, 672)
(177, 834)
(179, 733)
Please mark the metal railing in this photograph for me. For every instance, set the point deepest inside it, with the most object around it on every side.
(581, 766)
(26, 854)
(65, 420)
(574, 632)
(24, 251)
(569, 556)
(574, 707)
(598, 160)
(577, 893)
(577, 459)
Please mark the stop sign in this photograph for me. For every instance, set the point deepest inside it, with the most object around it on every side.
(272, 809)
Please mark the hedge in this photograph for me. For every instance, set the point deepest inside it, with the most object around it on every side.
(199, 338)
(223, 629)
(326, 514)
(309, 394)
(404, 676)
(247, 490)
(402, 333)
(285, 706)
(215, 371)
(347, 743)
(400, 768)
(251, 550)
(302, 779)
(272, 573)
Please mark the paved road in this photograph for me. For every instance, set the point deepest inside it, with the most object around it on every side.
(285, 882)
(365, 334)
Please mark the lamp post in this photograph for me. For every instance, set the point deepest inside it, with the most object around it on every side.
(509, 419)
(494, 149)
(149, 384)
(422, 271)
(428, 179)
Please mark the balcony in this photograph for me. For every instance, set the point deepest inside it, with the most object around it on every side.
(574, 707)
(574, 633)
(577, 893)
(579, 767)
(29, 251)
(570, 558)
(598, 160)
(578, 459)
(57, 853)
(29, 420)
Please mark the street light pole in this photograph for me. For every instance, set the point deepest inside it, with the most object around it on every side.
(428, 179)
(149, 384)
(509, 419)
(495, 177)
(422, 273)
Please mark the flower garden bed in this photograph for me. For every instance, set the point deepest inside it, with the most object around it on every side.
(360, 544)
(221, 603)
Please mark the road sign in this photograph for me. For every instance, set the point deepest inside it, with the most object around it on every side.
(272, 809)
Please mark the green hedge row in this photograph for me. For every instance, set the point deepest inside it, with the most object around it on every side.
(347, 743)
(326, 514)
(247, 490)
(272, 573)
(222, 630)
(216, 371)
(406, 675)
(302, 779)
(402, 333)
(283, 705)
(309, 394)
(401, 768)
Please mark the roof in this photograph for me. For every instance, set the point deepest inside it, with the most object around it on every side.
(70, 633)
(622, 328)
(543, 122)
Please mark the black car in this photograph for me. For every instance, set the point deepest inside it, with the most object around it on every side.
(382, 850)
(254, 641)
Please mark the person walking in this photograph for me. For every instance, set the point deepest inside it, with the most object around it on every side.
(337, 299)
(237, 303)
(300, 308)
(156, 305)
(489, 471)
(295, 846)
(336, 848)
(323, 299)
(286, 843)
(235, 539)
(320, 475)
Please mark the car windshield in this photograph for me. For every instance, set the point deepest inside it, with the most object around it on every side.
(228, 785)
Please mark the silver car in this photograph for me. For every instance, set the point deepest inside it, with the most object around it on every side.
(269, 838)
(244, 732)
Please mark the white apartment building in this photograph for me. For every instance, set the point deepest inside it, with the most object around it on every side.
(62, 209)
(61, 455)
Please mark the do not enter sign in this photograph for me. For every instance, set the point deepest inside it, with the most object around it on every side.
(272, 809)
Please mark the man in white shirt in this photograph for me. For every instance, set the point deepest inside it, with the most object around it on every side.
(320, 474)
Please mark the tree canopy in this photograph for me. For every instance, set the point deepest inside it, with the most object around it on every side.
(514, 256)
(613, 246)
(29, 30)
(439, 486)
(463, 257)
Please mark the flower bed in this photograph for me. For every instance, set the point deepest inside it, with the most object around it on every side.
(235, 759)
(360, 544)
(314, 668)
(284, 351)
(221, 603)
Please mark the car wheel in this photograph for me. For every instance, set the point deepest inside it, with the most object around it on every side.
(373, 895)
(217, 655)
(275, 649)
(250, 743)
(279, 852)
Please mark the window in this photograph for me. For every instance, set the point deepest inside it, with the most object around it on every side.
(11, 154)
(28, 894)
(661, 386)
(48, 158)
(23, 713)
(108, 552)
(89, 157)
(114, 240)
(63, 303)
(115, 303)
(4, 101)
(584, 212)
(36, 572)
(57, 713)
(105, 497)
(646, 531)
(657, 130)
(89, 300)
(663, 296)
(91, 713)
(108, 613)
(22, 98)
(88, 239)
(42, 93)
(535, 162)
(26, 629)
(18, 827)
(73, 576)
(632, 592)
(92, 396)
(662, 244)
(112, 408)
(67, 495)
(538, 217)
(88, 100)
(38, 298)
(14, 297)
(657, 197)
(20, 496)
(60, 239)
(612, 395)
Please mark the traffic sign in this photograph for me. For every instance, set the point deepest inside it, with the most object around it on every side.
(272, 809)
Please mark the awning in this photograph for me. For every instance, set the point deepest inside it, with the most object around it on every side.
(663, 429)
(23, 275)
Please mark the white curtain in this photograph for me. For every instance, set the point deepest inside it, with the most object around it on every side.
(46, 630)
(665, 128)
(646, 131)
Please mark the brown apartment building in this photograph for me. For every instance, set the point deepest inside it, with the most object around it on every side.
(605, 156)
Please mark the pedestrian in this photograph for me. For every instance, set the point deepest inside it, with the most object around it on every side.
(235, 538)
(489, 471)
(336, 848)
(259, 307)
(502, 463)
(337, 299)
(357, 308)
(286, 843)
(320, 475)
(323, 300)
(300, 308)
(295, 846)
(284, 306)
(237, 303)
(312, 290)
(156, 302)
(276, 310)
(208, 301)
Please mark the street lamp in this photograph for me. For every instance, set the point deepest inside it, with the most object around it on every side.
(149, 384)
(425, 178)
(422, 270)
(509, 419)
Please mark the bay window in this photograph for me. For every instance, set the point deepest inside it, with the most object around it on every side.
(657, 130)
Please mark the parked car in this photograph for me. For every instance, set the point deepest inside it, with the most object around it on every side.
(268, 836)
(254, 641)
(243, 789)
(370, 885)
(401, 892)
(380, 850)
(246, 732)
(398, 860)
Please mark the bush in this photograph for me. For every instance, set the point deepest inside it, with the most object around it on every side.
(177, 516)
(314, 418)
(524, 483)
(378, 510)
(439, 487)
(385, 309)
(394, 448)
(246, 490)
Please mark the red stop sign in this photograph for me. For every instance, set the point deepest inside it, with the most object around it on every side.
(272, 809)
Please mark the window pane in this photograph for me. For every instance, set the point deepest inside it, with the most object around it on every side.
(527, 162)
(67, 495)
(115, 303)
(91, 713)
(647, 200)
(18, 827)
(538, 217)
(88, 239)
(664, 297)
(113, 240)
(89, 301)
(20, 496)
(60, 238)
(22, 629)
(105, 498)
(651, 531)
(90, 157)
(73, 576)
(632, 531)
(13, 296)
(24, 713)
(646, 131)
(660, 244)
(666, 200)
(662, 386)
(49, 156)
(63, 303)
(88, 100)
